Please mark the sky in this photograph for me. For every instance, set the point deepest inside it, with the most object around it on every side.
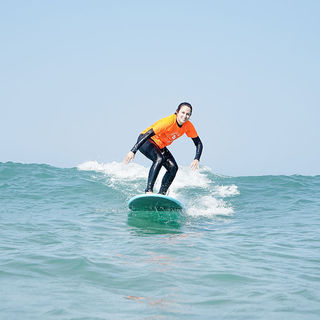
(79, 80)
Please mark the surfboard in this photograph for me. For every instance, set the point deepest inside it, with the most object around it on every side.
(154, 202)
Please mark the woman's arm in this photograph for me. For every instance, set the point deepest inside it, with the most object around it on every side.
(130, 156)
(199, 147)
(143, 139)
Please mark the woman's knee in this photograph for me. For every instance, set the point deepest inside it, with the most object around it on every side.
(159, 160)
(173, 168)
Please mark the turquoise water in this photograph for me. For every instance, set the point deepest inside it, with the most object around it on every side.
(245, 248)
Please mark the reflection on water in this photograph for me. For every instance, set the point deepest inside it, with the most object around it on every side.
(156, 222)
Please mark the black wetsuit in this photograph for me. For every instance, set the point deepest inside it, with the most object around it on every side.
(160, 157)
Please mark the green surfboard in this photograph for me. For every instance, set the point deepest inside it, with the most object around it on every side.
(154, 202)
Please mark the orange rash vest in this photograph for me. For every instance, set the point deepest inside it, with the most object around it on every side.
(167, 130)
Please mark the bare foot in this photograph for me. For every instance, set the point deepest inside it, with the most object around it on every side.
(149, 192)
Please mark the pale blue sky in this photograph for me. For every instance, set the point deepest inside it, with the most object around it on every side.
(80, 79)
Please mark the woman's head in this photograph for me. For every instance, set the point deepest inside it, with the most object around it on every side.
(184, 104)
(183, 112)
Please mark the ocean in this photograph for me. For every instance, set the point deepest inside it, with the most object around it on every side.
(244, 248)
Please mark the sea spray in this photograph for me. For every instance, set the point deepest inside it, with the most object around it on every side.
(187, 186)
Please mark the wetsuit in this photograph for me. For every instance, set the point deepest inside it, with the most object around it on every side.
(152, 142)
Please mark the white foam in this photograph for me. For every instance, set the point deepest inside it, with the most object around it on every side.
(117, 170)
(188, 178)
(125, 177)
(209, 206)
(227, 191)
(185, 177)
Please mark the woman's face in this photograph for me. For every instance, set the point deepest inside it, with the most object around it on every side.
(183, 115)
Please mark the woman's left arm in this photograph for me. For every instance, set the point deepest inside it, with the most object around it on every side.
(195, 163)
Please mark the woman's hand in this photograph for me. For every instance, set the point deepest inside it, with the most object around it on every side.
(129, 157)
(194, 164)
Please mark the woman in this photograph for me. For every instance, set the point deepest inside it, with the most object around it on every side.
(153, 142)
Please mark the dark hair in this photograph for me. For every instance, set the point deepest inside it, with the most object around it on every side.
(184, 104)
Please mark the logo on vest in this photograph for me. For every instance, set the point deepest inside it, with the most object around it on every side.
(174, 136)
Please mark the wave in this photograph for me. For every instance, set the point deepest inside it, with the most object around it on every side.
(197, 189)
(110, 185)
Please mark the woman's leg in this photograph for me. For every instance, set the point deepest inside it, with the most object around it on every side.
(172, 168)
(152, 152)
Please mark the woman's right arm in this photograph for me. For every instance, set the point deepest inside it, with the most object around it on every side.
(130, 156)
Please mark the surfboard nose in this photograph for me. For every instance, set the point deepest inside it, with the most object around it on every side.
(154, 202)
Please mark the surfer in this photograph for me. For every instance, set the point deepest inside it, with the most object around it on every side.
(153, 142)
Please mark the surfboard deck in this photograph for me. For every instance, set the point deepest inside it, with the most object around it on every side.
(154, 202)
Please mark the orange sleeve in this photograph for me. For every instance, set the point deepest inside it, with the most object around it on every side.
(191, 131)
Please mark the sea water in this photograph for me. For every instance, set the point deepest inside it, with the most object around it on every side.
(244, 248)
